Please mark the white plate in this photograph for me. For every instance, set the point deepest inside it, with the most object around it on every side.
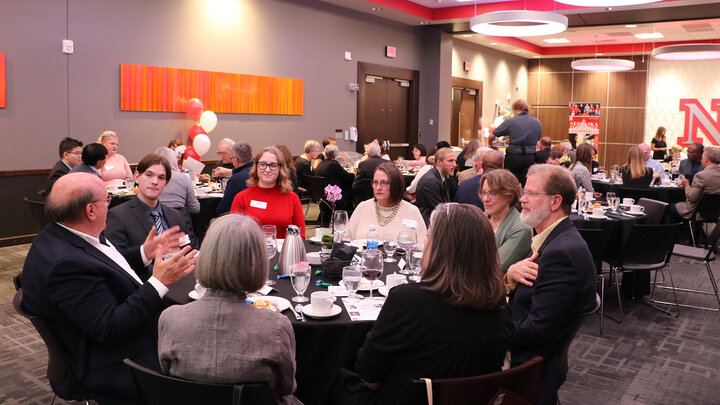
(281, 302)
(365, 285)
(316, 239)
(383, 290)
(194, 295)
(602, 217)
(362, 242)
(636, 214)
(335, 310)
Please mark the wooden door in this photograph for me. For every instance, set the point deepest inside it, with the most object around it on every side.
(467, 119)
(455, 118)
(398, 92)
(372, 119)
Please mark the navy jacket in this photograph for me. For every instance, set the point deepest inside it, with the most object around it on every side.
(467, 192)
(236, 183)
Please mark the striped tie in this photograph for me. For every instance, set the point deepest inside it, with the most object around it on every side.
(158, 222)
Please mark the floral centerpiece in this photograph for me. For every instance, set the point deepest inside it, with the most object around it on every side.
(333, 194)
(565, 160)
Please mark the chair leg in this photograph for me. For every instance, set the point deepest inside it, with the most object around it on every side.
(53, 400)
(715, 292)
(692, 234)
(617, 288)
(602, 300)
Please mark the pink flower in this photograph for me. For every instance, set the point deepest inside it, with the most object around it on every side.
(333, 193)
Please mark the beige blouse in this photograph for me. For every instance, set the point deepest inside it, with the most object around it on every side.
(408, 216)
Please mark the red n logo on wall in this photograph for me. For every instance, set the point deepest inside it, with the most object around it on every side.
(697, 117)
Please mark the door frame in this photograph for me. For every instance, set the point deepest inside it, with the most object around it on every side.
(365, 68)
(460, 82)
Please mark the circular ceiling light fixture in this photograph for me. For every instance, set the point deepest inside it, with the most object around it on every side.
(605, 3)
(687, 52)
(519, 23)
(603, 65)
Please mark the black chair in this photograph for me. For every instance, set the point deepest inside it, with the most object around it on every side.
(159, 389)
(596, 241)
(37, 208)
(316, 187)
(704, 255)
(563, 364)
(57, 372)
(706, 211)
(364, 191)
(522, 380)
(648, 248)
(654, 209)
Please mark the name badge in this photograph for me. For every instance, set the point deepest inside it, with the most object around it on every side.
(410, 223)
(258, 204)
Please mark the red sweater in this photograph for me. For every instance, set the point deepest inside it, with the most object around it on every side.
(269, 206)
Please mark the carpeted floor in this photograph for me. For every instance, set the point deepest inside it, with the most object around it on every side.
(650, 358)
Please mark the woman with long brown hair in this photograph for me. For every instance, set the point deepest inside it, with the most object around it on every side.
(290, 162)
(582, 167)
(634, 172)
(658, 144)
(269, 198)
(451, 324)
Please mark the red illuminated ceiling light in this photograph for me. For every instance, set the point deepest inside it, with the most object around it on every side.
(687, 52)
(603, 65)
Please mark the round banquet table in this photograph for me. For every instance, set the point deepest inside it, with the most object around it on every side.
(668, 194)
(322, 347)
(616, 230)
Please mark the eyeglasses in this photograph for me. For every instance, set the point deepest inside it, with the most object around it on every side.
(74, 153)
(530, 194)
(106, 199)
(222, 153)
(489, 194)
(381, 183)
(264, 165)
(446, 207)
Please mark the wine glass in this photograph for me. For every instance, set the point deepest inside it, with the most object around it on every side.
(407, 240)
(340, 223)
(351, 277)
(415, 263)
(300, 278)
(390, 244)
(372, 266)
(270, 232)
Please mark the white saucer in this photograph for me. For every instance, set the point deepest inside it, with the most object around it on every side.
(602, 217)
(316, 239)
(365, 285)
(384, 290)
(635, 214)
(335, 310)
(281, 302)
(194, 295)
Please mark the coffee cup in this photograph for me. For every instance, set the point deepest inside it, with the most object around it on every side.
(628, 201)
(200, 290)
(395, 279)
(314, 258)
(320, 232)
(322, 302)
(637, 209)
(598, 213)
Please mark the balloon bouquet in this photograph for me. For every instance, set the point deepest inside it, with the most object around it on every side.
(205, 121)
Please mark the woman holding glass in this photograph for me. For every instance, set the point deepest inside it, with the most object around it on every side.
(240, 343)
(386, 211)
(500, 193)
(116, 166)
(269, 198)
(451, 324)
(634, 173)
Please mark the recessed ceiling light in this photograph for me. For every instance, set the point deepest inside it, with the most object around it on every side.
(687, 52)
(651, 35)
(598, 54)
(519, 23)
(536, 56)
(557, 40)
(377, 9)
(467, 36)
(631, 26)
(516, 50)
(493, 43)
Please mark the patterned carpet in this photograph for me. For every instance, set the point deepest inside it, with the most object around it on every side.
(650, 358)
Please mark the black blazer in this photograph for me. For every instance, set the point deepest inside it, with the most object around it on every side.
(335, 174)
(83, 168)
(94, 308)
(642, 182)
(541, 156)
(544, 315)
(431, 191)
(365, 171)
(60, 169)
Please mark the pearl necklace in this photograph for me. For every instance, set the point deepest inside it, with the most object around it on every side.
(384, 220)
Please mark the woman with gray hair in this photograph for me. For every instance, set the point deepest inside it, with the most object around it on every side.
(240, 343)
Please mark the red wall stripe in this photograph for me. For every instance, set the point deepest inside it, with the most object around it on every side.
(3, 82)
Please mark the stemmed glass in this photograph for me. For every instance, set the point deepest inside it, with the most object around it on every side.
(351, 277)
(340, 224)
(390, 244)
(415, 263)
(407, 240)
(612, 200)
(270, 232)
(300, 278)
(372, 266)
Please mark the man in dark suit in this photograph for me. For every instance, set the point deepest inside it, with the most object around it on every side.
(693, 164)
(543, 150)
(129, 223)
(336, 175)
(554, 287)
(242, 159)
(362, 189)
(93, 158)
(70, 150)
(88, 294)
(467, 192)
(438, 185)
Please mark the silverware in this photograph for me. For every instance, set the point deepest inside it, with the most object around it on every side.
(299, 309)
(297, 315)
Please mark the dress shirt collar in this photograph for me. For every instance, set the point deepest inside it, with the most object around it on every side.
(65, 163)
(440, 173)
(149, 210)
(242, 167)
(539, 239)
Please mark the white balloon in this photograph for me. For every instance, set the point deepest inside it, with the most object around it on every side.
(208, 120)
(201, 143)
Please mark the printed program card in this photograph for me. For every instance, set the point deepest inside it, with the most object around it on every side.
(366, 309)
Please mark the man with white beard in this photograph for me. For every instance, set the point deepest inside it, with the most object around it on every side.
(550, 290)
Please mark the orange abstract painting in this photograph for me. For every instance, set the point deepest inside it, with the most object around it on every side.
(154, 88)
(3, 83)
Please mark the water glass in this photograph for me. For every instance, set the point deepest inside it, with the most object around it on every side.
(415, 263)
(407, 240)
(300, 278)
(351, 277)
(372, 266)
(130, 183)
(340, 223)
(270, 232)
(390, 244)
(614, 202)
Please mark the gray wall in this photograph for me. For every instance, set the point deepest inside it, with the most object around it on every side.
(51, 94)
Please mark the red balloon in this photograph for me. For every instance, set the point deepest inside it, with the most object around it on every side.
(194, 108)
(196, 129)
(190, 153)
